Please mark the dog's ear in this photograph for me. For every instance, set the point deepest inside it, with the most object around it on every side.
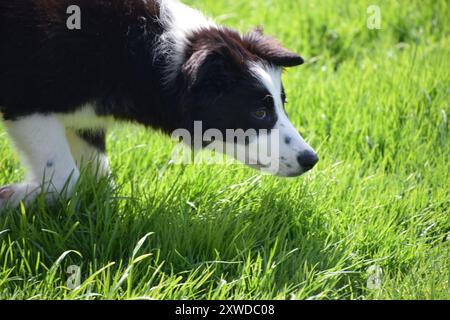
(209, 68)
(270, 49)
(191, 69)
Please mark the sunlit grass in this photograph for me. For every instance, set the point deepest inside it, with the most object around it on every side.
(374, 103)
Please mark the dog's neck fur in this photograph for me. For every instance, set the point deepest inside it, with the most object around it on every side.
(160, 68)
(179, 23)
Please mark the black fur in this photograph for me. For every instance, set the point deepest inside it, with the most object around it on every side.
(96, 138)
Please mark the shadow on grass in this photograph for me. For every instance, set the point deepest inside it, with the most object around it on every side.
(274, 244)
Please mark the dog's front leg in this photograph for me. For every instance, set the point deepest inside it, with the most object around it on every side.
(42, 144)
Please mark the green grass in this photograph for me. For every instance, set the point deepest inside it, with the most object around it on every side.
(374, 103)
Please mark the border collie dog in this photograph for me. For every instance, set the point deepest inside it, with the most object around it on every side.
(158, 63)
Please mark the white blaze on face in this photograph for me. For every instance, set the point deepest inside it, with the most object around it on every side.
(294, 155)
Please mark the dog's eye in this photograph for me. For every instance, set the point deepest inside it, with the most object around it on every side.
(261, 114)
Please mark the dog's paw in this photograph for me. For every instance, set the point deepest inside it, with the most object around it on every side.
(12, 195)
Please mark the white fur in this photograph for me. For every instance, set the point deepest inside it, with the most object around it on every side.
(270, 77)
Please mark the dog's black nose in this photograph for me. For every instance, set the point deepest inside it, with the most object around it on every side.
(307, 159)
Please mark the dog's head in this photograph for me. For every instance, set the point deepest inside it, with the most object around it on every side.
(234, 89)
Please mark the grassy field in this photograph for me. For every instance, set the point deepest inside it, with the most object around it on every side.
(371, 221)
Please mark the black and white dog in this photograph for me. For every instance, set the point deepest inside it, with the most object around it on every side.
(158, 63)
